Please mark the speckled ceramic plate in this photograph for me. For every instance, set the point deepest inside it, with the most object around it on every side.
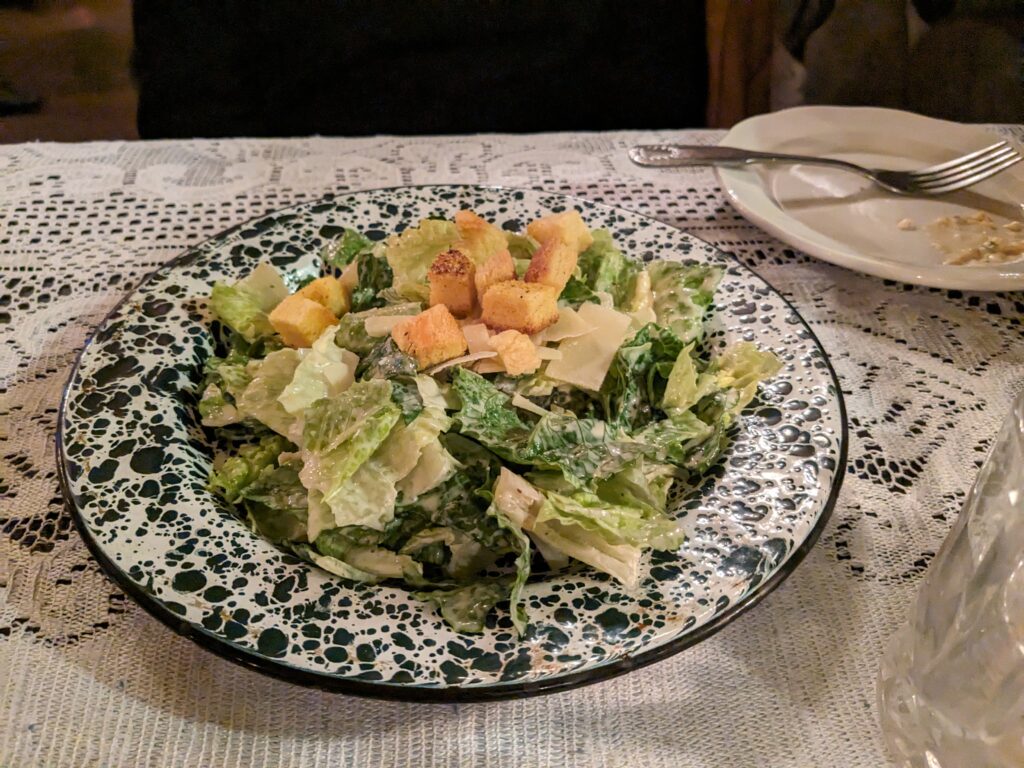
(134, 463)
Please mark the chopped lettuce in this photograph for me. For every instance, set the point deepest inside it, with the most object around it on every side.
(682, 294)
(276, 504)
(340, 434)
(485, 413)
(603, 267)
(239, 471)
(349, 546)
(367, 498)
(352, 333)
(244, 307)
(374, 276)
(740, 368)
(521, 247)
(373, 471)
(343, 250)
(386, 361)
(325, 371)
(411, 253)
(270, 377)
(466, 608)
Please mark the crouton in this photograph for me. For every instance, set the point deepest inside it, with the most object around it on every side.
(478, 238)
(497, 269)
(431, 337)
(552, 264)
(329, 292)
(300, 320)
(516, 352)
(567, 227)
(451, 282)
(524, 307)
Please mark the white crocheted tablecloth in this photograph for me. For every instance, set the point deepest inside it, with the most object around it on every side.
(89, 679)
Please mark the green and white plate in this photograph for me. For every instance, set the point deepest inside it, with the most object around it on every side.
(134, 462)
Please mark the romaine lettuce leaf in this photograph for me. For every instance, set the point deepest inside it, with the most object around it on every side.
(466, 608)
(740, 368)
(521, 545)
(682, 294)
(685, 386)
(334, 565)
(411, 253)
(386, 361)
(618, 523)
(244, 306)
(521, 247)
(603, 267)
(340, 434)
(276, 504)
(215, 409)
(239, 471)
(352, 333)
(374, 276)
(368, 497)
(325, 371)
(673, 439)
(342, 250)
(461, 555)
(485, 413)
(347, 545)
(259, 399)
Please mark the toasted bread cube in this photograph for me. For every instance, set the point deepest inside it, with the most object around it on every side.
(432, 336)
(552, 264)
(478, 238)
(516, 352)
(327, 291)
(567, 227)
(524, 307)
(451, 282)
(300, 320)
(499, 268)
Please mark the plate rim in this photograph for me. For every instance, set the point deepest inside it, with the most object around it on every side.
(856, 262)
(453, 693)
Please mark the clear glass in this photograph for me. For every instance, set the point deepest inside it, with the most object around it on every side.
(951, 686)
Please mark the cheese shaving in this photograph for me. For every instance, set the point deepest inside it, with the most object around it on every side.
(381, 325)
(477, 336)
(586, 359)
(569, 325)
(528, 405)
(472, 356)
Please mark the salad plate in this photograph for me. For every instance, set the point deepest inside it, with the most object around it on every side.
(846, 220)
(160, 454)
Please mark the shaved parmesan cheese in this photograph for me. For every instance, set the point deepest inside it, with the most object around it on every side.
(489, 366)
(349, 277)
(568, 325)
(460, 360)
(381, 325)
(606, 299)
(527, 405)
(586, 359)
(548, 353)
(477, 336)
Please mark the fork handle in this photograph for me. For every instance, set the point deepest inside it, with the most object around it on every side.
(683, 155)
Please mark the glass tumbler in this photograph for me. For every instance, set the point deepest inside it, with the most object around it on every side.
(951, 685)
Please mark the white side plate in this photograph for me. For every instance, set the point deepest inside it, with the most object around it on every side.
(844, 219)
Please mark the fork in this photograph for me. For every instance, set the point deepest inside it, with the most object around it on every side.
(935, 180)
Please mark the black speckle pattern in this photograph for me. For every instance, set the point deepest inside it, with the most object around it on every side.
(136, 462)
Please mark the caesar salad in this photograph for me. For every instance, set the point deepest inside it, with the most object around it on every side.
(457, 407)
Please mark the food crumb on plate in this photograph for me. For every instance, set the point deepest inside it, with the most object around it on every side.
(906, 224)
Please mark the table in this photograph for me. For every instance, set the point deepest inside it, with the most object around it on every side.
(88, 679)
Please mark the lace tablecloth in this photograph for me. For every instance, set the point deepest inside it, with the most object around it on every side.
(89, 679)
